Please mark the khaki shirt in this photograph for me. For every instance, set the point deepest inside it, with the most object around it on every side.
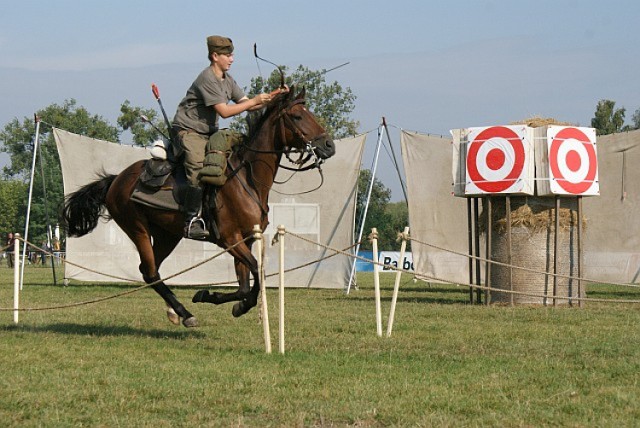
(195, 111)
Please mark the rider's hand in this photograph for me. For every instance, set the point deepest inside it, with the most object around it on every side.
(261, 99)
(282, 90)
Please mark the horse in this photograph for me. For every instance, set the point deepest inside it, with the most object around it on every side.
(285, 127)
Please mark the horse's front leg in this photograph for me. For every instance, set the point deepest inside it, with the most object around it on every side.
(246, 296)
(251, 294)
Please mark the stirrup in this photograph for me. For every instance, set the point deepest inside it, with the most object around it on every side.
(200, 231)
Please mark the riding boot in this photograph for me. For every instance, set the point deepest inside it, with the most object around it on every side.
(194, 225)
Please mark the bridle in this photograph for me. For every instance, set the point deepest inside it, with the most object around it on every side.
(307, 153)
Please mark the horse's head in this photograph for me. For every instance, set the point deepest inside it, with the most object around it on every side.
(299, 128)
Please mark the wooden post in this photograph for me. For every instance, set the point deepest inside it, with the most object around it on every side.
(470, 241)
(477, 248)
(556, 227)
(257, 235)
(487, 272)
(281, 231)
(396, 285)
(16, 277)
(509, 256)
(376, 281)
(579, 239)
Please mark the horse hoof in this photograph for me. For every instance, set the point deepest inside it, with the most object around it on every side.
(200, 296)
(238, 310)
(215, 298)
(172, 316)
(190, 322)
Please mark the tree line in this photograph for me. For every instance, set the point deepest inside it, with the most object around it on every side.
(330, 102)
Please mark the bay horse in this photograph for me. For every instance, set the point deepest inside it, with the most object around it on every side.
(286, 127)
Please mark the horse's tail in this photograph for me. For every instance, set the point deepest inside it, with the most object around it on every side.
(82, 209)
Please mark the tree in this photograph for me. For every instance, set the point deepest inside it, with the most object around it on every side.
(387, 218)
(608, 119)
(636, 119)
(14, 206)
(398, 219)
(143, 133)
(17, 140)
(330, 103)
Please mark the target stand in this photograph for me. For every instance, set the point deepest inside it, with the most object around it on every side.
(525, 221)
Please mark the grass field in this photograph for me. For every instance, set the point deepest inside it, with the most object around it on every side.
(448, 363)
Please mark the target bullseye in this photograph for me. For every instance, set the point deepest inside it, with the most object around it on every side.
(495, 159)
(573, 160)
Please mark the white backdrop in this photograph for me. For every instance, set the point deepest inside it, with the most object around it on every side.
(325, 215)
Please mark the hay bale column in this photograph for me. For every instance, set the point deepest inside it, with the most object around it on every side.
(533, 245)
(537, 229)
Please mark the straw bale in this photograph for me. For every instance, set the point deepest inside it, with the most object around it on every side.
(531, 212)
(532, 246)
(537, 121)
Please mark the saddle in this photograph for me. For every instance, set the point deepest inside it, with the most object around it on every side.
(161, 185)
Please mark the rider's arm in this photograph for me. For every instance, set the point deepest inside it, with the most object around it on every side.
(227, 110)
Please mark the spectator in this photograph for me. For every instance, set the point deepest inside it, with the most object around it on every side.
(43, 254)
(10, 245)
(56, 250)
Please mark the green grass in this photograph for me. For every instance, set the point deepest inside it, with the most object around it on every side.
(120, 363)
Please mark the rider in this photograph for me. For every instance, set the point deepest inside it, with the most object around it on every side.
(196, 121)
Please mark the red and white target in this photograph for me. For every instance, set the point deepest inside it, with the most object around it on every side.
(573, 161)
(499, 160)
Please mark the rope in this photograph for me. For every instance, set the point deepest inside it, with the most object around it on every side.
(482, 259)
(124, 293)
(335, 252)
(210, 285)
(475, 286)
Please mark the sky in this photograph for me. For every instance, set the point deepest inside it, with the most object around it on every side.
(424, 66)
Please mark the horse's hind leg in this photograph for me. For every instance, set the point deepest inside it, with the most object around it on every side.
(175, 309)
(163, 245)
(149, 269)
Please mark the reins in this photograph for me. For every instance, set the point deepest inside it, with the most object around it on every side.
(307, 154)
(284, 119)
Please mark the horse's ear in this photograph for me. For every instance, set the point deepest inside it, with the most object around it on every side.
(302, 93)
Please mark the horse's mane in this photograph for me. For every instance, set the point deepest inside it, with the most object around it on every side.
(256, 119)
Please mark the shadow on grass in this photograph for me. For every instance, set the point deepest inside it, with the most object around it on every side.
(629, 295)
(434, 289)
(434, 299)
(429, 294)
(131, 286)
(103, 331)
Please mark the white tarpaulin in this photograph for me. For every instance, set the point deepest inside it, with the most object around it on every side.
(435, 215)
(612, 232)
(325, 216)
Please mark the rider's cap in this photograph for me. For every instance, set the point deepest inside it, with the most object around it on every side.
(219, 45)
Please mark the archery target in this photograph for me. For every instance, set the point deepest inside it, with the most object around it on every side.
(499, 160)
(573, 162)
